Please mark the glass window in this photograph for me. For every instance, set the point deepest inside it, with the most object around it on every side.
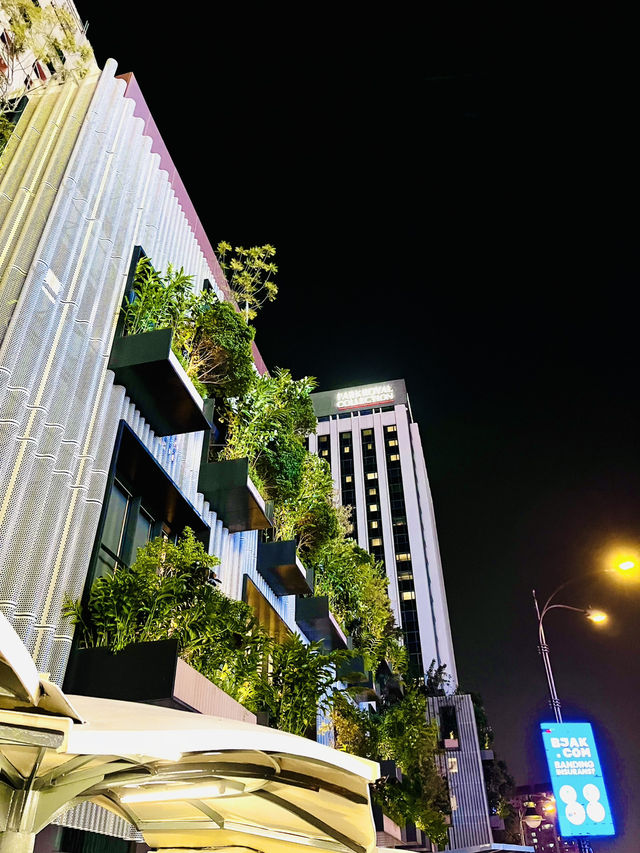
(376, 542)
(324, 453)
(373, 491)
(372, 476)
(113, 532)
(393, 442)
(394, 457)
(409, 595)
(402, 558)
(367, 432)
(373, 507)
(348, 478)
(346, 448)
(141, 533)
(373, 524)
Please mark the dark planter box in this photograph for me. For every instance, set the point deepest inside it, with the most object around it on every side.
(143, 672)
(316, 621)
(232, 495)
(151, 673)
(156, 383)
(280, 567)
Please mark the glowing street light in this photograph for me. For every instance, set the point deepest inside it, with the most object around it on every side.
(598, 617)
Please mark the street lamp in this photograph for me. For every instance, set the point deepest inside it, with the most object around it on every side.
(598, 617)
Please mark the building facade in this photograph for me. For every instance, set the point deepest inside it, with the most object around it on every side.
(369, 438)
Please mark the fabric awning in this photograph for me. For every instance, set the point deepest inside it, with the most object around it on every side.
(184, 780)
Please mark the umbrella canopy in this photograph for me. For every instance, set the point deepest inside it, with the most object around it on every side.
(184, 780)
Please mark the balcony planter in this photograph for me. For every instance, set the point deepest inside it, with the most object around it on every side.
(354, 673)
(232, 496)
(486, 755)
(279, 565)
(151, 673)
(318, 623)
(157, 383)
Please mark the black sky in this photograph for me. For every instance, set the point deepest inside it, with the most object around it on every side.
(453, 203)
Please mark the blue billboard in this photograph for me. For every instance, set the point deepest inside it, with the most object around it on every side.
(576, 776)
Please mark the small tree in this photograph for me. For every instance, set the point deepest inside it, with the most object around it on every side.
(268, 426)
(249, 274)
(300, 684)
(310, 516)
(210, 338)
(357, 587)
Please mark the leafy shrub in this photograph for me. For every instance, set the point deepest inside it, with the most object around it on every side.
(210, 338)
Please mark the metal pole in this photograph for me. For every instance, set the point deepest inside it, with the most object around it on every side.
(543, 648)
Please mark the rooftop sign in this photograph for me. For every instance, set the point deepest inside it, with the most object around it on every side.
(360, 397)
(577, 780)
(370, 395)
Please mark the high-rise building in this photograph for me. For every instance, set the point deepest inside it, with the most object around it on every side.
(369, 438)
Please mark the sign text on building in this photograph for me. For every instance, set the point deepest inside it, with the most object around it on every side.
(577, 780)
(352, 398)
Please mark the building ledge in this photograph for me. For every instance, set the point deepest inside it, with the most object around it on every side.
(157, 383)
(151, 673)
(279, 565)
(318, 623)
(233, 496)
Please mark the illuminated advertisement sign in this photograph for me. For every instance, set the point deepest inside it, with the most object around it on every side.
(353, 398)
(576, 777)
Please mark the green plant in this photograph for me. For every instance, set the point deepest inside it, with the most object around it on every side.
(356, 586)
(399, 731)
(168, 593)
(248, 272)
(158, 301)
(268, 426)
(47, 33)
(300, 684)
(210, 339)
(310, 515)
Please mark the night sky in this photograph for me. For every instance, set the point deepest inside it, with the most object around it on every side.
(454, 203)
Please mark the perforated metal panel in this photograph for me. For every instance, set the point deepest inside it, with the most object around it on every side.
(79, 188)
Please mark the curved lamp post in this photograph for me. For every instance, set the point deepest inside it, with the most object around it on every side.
(596, 616)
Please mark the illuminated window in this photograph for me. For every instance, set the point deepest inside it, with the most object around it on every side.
(325, 453)
(452, 765)
(409, 595)
(373, 524)
(394, 457)
(369, 446)
(375, 542)
(402, 558)
(346, 448)
(348, 478)
(392, 428)
(372, 476)
(367, 432)
(373, 507)
(405, 575)
(393, 442)
(373, 491)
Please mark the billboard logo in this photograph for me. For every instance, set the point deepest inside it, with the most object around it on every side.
(583, 805)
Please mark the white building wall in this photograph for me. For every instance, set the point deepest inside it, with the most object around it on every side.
(84, 190)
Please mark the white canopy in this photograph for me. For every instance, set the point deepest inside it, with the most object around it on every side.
(184, 780)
